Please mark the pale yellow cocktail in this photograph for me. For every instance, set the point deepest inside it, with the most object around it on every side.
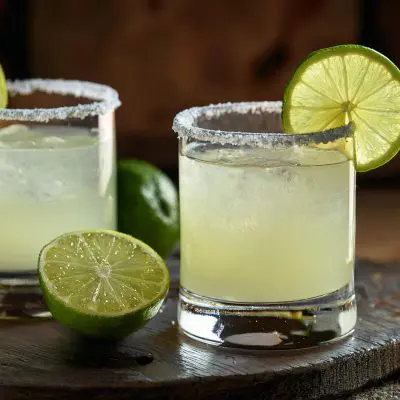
(267, 202)
(52, 180)
(267, 229)
(266, 225)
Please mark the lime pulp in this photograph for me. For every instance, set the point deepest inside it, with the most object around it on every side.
(102, 283)
(346, 83)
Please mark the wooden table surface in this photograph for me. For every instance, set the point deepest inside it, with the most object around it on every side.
(378, 239)
(41, 360)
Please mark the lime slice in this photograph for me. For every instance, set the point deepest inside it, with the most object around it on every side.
(102, 283)
(3, 89)
(348, 83)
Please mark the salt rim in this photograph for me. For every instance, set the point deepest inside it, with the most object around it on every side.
(104, 98)
(186, 126)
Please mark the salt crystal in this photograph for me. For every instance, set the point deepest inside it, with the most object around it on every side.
(105, 99)
(188, 124)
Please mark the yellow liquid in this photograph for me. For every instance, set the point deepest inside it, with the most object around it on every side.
(52, 180)
(266, 226)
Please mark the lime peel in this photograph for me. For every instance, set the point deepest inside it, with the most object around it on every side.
(148, 206)
(3, 89)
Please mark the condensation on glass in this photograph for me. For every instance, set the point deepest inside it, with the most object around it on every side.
(57, 168)
(267, 229)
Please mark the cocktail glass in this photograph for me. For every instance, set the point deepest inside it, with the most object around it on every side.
(267, 229)
(57, 174)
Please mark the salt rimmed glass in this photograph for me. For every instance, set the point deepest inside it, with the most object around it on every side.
(57, 174)
(267, 229)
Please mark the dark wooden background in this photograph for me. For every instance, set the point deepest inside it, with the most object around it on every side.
(165, 55)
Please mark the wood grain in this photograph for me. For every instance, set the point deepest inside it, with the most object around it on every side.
(41, 360)
(378, 225)
(163, 56)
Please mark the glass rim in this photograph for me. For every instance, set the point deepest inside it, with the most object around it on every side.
(185, 124)
(104, 99)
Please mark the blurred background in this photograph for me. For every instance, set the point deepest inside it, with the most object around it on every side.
(166, 55)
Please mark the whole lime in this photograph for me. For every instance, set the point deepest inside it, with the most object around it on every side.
(148, 206)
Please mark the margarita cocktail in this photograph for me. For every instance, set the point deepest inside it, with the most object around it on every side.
(267, 228)
(57, 168)
(53, 180)
(255, 225)
(267, 202)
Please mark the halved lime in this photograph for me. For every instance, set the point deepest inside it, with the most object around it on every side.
(3, 89)
(102, 283)
(348, 83)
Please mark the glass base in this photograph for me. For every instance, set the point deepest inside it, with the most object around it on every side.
(289, 325)
(21, 296)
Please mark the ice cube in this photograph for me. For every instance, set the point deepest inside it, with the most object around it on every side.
(17, 136)
(53, 141)
(4, 145)
(14, 129)
(12, 134)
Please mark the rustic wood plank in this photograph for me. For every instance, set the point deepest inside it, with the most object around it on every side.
(388, 391)
(43, 360)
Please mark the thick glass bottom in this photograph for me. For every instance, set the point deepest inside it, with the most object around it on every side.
(21, 296)
(289, 325)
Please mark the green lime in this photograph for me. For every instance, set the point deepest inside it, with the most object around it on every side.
(102, 283)
(348, 83)
(3, 89)
(148, 205)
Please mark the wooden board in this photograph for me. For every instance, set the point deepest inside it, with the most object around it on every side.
(41, 360)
